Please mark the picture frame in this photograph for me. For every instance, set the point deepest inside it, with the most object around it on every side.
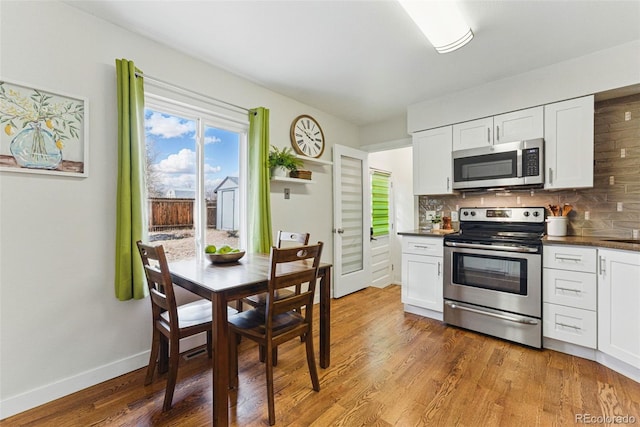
(42, 131)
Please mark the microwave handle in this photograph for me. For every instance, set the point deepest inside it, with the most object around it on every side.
(519, 160)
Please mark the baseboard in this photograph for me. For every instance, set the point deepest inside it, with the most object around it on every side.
(425, 312)
(49, 392)
(592, 354)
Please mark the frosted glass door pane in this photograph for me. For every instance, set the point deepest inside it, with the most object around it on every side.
(352, 208)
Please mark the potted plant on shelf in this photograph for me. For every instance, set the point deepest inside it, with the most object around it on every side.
(281, 162)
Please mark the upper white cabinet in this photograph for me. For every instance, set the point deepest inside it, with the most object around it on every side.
(509, 127)
(568, 135)
(432, 161)
(618, 302)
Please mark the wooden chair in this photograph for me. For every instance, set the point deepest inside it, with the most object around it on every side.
(285, 238)
(281, 320)
(170, 321)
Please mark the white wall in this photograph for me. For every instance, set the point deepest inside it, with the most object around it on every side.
(598, 72)
(61, 328)
(399, 163)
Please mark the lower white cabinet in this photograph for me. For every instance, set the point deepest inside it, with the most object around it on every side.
(619, 305)
(569, 294)
(422, 274)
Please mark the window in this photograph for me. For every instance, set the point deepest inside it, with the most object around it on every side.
(195, 174)
(379, 203)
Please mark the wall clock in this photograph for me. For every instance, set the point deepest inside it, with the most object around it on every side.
(307, 138)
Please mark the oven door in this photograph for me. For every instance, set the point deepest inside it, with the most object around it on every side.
(497, 279)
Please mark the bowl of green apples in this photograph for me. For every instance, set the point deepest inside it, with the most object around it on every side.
(223, 254)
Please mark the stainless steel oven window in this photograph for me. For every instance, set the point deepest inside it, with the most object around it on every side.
(502, 274)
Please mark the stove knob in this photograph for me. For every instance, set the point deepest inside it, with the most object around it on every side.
(473, 213)
(526, 213)
(536, 213)
(465, 213)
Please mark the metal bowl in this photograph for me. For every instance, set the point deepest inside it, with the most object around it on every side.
(224, 258)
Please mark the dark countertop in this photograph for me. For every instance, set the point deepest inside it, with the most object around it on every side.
(421, 232)
(600, 242)
(596, 241)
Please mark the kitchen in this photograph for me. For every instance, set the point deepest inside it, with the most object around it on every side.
(28, 373)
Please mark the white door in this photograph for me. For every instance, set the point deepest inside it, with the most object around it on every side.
(381, 193)
(351, 221)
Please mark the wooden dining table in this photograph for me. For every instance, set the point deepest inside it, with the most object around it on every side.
(224, 283)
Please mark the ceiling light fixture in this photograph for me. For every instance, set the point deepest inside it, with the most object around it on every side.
(441, 21)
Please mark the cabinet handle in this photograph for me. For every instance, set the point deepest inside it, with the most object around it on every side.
(497, 133)
(489, 135)
(560, 257)
(603, 266)
(578, 291)
(550, 176)
(564, 325)
(448, 183)
(438, 268)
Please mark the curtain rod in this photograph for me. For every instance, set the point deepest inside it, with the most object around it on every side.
(174, 86)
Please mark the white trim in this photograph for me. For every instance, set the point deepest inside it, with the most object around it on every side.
(55, 390)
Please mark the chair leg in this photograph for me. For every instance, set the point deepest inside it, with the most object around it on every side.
(163, 360)
(174, 354)
(209, 344)
(311, 361)
(233, 360)
(270, 397)
(153, 358)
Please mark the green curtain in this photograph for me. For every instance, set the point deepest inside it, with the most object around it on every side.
(380, 203)
(131, 198)
(259, 209)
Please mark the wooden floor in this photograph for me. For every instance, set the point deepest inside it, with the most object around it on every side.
(388, 368)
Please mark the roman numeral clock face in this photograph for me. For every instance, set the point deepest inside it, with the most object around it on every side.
(307, 138)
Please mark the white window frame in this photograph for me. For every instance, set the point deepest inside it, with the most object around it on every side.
(207, 118)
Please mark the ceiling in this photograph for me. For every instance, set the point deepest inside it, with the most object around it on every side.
(365, 61)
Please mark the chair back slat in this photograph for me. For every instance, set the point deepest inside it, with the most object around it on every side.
(159, 282)
(292, 237)
(292, 266)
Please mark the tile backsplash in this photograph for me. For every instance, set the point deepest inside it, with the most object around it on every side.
(616, 154)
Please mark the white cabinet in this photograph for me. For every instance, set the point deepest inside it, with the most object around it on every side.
(509, 127)
(432, 161)
(618, 305)
(422, 274)
(568, 135)
(569, 294)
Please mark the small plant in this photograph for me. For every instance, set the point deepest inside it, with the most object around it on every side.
(284, 158)
(436, 219)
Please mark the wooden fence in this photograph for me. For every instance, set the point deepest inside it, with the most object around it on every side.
(166, 213)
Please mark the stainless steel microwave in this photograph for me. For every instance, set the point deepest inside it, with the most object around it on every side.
(511, 164)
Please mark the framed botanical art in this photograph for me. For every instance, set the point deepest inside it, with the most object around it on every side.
(42, 131)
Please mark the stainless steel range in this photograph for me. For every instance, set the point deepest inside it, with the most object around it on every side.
(493, 273)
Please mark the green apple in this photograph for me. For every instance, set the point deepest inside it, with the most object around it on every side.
(210, 249)
(224, 249)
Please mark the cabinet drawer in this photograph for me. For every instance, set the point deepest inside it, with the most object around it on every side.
(570, 288)
(422, 245)
(569, 324)
(569, 258)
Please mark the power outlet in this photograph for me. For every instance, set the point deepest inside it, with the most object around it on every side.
(587, 215)
(454, 216)
(636, 234)
(619, 207)
(623, 153)
(627, 116)
(287, 193)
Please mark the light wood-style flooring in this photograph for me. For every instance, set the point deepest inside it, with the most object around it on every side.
(388, 368)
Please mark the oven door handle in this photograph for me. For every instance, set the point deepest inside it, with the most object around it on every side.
(499, 247)
(523, 320)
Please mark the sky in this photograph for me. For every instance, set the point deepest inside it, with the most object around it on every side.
(171, 139)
